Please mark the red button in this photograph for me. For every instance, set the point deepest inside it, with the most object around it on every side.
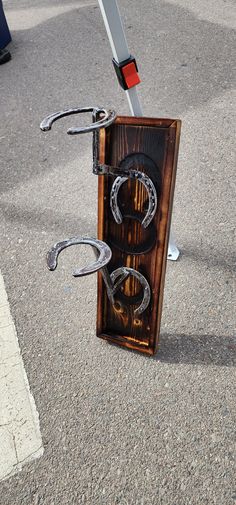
(131, 75)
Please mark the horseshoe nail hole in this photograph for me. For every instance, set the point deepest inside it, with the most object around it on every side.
(118, 307)
(170, 255)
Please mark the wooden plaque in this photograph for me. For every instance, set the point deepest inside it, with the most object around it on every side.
(156, 143)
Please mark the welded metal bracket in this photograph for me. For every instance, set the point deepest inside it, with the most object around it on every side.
(103, 255)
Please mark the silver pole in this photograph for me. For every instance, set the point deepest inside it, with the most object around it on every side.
(116, 35)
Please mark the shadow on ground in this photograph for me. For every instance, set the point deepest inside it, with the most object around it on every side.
(197, 349)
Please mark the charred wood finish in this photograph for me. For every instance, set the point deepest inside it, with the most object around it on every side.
(149, 146)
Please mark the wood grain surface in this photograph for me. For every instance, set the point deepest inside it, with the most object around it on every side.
(132, 245)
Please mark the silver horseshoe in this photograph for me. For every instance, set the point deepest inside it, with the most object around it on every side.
(109, 117)
(143, 281)
(103, 254)
(152, 194)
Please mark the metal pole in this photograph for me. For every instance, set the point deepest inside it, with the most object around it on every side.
(116, 35)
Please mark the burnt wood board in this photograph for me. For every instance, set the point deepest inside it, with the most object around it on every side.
(132, 245)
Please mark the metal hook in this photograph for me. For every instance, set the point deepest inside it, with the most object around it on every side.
(152, 195)
(103, 256)
(109, 117)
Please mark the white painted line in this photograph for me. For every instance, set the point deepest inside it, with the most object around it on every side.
(20, 438)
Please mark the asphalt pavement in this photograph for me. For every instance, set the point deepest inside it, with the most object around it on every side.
(120, 428)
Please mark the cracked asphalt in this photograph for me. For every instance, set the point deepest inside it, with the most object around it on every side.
(120, 428)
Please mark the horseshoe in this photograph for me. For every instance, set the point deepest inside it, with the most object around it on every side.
(103, 254)
(131, 166)
(152, 194)
(143, 281)
(109, 117)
